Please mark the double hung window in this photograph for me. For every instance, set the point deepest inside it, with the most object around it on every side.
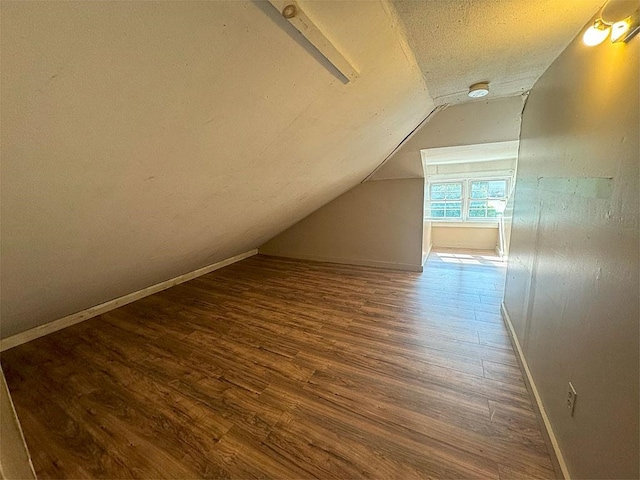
(446, 200)
(469, 199)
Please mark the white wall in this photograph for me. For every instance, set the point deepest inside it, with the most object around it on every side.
(572, 282)
(467, 169)
(143, 140)
(376, 223)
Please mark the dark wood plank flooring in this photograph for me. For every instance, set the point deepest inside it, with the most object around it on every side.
(276, 368)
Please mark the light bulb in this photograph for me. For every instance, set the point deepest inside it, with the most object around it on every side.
(618, 29)
(596, 34)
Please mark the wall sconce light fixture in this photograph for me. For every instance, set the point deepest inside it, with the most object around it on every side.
(620, 18)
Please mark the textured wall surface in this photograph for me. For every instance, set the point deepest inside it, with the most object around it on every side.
(143, 140)
(572, 283)
(376, 223)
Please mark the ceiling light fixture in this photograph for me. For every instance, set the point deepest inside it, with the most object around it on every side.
(620, 17)
(478, 90)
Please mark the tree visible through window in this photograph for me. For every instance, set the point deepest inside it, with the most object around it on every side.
(488, 198)
(446, 200)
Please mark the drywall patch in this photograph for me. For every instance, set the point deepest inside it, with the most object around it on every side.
(586, 187)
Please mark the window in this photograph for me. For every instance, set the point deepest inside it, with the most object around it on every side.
(469, 199)
(487, 198)
(446, 200)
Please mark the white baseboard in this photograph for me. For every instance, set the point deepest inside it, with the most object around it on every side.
(64, 322)
(534, 390)
(350, 261)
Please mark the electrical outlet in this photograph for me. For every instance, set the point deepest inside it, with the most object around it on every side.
(571, 399)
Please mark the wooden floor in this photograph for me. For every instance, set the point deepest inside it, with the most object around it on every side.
(275, 368)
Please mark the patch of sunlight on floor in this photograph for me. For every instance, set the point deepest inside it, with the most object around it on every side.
(471, 258)
(461, 260)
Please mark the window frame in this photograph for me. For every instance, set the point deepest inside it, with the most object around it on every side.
(445, 200)
(466, 200)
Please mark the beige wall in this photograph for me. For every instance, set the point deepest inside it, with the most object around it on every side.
(376, 223)
(473, 238)
(485, 121)
(15, 462)
(144, 140)
(572, 283)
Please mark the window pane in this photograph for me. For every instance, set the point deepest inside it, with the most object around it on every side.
(479, 189)
(437, 209)
(446, 191)
(452, 213)
(477, 209)
(445, 209)
(454, 191)
(489, 189)
(438, 191)
(497, 188)
(453, 210)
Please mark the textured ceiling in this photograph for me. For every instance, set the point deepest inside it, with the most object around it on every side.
(510, 43)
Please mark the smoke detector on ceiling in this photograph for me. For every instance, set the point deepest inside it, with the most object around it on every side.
(478, 90)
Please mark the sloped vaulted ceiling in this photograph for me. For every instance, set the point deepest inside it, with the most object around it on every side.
(143, 140)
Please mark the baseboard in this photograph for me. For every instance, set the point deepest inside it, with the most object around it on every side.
(350, 261)
(524, 366)
(64, 322)
(425, 255)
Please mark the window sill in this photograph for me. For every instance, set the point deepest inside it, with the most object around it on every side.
(458, 224)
